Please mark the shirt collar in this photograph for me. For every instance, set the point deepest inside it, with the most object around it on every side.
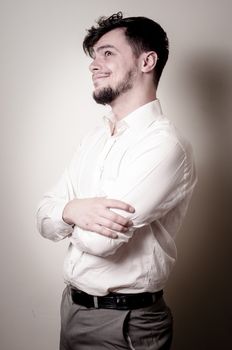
(139, 119)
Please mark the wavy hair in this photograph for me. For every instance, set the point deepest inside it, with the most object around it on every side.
(142, 33)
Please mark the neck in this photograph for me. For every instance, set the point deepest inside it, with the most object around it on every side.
(130, 101)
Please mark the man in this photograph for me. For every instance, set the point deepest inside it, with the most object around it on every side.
(122, 199)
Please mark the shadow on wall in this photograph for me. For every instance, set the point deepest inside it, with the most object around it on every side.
(200, 289)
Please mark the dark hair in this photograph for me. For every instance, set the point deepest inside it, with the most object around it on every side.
(143, 34)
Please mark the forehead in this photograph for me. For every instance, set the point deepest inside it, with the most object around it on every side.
(115, 37)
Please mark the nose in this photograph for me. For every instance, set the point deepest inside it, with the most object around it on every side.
(94, 65)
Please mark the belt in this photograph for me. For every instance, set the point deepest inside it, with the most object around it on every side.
(115, 300)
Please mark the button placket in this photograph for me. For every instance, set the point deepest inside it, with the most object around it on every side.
(105, 153)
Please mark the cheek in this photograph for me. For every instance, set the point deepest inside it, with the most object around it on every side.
(120, 72)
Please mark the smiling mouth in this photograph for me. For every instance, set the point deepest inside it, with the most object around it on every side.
(98, 77)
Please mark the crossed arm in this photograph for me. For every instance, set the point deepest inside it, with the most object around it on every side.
(152, 185)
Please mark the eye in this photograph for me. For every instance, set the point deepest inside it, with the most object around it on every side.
(108, 53)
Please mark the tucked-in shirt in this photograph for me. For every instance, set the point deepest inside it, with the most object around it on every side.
(145, 163)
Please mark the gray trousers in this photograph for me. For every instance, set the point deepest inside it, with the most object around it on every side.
(148, 328)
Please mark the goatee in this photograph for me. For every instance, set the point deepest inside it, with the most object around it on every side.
(107, 95)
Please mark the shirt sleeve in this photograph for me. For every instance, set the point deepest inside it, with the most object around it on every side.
(154, 180)
(49, 214)
(50, 209)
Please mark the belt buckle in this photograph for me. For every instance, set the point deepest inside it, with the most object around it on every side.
(121, 302)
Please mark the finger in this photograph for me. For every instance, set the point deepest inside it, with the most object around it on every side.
(109, 224)
(117, 204)
(103, 231)
(118, 219)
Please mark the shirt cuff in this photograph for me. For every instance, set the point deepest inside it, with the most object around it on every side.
(62, 229)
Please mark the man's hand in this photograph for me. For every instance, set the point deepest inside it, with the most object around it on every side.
(95, 214)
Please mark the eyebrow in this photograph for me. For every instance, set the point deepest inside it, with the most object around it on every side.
(103, 47)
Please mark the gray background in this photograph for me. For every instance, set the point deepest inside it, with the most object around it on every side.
(46, 107)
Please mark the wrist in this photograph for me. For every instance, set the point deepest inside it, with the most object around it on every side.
(67, 214)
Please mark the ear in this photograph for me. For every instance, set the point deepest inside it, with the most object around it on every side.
(149, 60)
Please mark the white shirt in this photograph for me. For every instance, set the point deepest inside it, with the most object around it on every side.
(146, 164)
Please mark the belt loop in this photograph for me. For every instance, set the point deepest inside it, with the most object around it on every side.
(95, 301)
(153, 298)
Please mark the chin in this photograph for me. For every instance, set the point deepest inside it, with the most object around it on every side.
(100, 89)
(104, 95)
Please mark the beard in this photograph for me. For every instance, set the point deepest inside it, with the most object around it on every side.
(108, 94)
